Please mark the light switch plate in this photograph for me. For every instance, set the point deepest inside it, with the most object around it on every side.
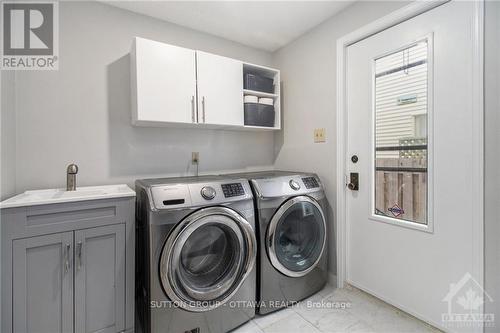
(319, 135)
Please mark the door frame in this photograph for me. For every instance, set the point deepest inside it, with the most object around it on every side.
(377, 26)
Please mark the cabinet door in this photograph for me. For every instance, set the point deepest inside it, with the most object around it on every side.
(100, 279)
(220, 89)
(164, 83)
(42, 272)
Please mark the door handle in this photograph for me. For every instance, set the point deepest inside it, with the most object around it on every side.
(203, 107)
(193, 119)
(353, 184)
(79, 255)
(66, 258)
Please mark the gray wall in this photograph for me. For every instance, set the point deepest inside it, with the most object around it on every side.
(492, 154)
(7, 142)
(308, 72)
(81, 113)
(7, 135)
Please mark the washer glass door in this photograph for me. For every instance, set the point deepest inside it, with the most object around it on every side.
(296, 236)
(206, 258)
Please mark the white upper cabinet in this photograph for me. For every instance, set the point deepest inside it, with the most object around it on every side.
(220, 89)
(163, 83)
(175, 86)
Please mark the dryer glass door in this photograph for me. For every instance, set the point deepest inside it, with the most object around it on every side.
(296, 236)
(206, 258)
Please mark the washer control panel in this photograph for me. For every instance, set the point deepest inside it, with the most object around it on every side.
(208, 192)
(174, 196)
(232, 190)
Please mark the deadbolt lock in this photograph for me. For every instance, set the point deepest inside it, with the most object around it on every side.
(353, 182)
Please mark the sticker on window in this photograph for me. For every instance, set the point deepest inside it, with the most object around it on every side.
(396, 210)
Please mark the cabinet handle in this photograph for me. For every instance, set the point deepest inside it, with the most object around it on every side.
(79, 255)
(192, 110)
(203, 107)
(66, 258)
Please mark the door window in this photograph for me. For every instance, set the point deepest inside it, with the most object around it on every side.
(401, 135)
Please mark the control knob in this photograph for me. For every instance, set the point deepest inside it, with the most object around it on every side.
(294, 185)
(208, 192)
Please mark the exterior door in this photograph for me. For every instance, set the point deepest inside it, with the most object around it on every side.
(165, 82)
(296, 236)
(412, 162)
(42, 275)
(220, 89)
(206, 258)
(100, 279)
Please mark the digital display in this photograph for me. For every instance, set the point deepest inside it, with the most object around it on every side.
(232, 190)
(310, 182)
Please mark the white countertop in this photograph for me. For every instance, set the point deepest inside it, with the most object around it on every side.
(55, 196)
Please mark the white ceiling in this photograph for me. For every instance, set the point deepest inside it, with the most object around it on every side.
(266, 25)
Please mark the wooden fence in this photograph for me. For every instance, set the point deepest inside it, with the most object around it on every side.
(402, 182)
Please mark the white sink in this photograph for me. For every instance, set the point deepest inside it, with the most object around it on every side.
(52, 196)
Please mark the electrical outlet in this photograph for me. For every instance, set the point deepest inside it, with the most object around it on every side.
(195, 157)
(319, 135)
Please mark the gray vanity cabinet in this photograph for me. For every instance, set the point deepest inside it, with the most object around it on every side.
(69, 267)
(100, 279)
(43, 283)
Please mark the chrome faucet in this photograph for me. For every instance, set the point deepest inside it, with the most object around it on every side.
(71, 172)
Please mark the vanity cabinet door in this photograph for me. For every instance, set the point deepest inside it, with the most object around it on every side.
(220, 89)
(100, 279)
(163, 83)
(42, 292)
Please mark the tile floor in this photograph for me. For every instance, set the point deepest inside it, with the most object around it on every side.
(364, 313)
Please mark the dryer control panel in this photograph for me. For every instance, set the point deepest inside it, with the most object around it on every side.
(310, 182)
(291, 185)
